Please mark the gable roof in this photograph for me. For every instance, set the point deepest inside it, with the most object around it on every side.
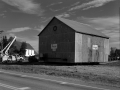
(78, 27)
(81, 28)
(29, 46)
(18, 46)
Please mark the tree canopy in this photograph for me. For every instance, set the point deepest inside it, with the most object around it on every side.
(23, 48)
(16, 48)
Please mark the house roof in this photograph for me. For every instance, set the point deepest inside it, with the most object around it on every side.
(29, 46)
(18, 46)
(81, 28)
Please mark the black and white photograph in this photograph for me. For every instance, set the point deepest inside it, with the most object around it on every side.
(59, 44)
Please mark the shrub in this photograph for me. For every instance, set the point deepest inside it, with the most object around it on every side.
(32, 59)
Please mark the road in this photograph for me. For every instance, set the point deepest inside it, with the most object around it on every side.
(17, 81)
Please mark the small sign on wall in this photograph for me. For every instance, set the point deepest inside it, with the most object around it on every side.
(95, 47)
(54, 47)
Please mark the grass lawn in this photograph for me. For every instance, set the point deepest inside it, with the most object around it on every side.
(105, 74)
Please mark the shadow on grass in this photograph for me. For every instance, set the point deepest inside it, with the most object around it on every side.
(51, 63)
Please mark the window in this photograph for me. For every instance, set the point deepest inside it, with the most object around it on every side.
(54, 28)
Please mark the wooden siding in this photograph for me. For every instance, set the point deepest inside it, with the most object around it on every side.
(78, 47)
(106, 50)
(84, 48)
(71, 45)
(88, 53)
(64, 37)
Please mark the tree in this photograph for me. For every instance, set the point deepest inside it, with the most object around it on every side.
(0, 46)
(4, 41)
(22, 48)
(117, 52)
(10, 39)
(112, 51)
(13, 50)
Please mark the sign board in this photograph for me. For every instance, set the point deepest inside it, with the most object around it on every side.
(95, 47)
(54, 47)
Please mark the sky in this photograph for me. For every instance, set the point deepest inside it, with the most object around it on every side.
(27, 18)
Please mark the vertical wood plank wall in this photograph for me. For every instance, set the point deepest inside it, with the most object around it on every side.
(64, 37)
(88, 53)
(78, 47)
(84, 51)
(106, 50)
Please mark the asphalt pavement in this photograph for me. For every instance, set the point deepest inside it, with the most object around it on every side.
(18, 81)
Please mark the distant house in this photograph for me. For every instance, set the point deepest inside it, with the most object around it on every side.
(68, 41)
(29, 49)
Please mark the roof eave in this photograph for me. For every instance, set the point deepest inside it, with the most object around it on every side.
(92, 34)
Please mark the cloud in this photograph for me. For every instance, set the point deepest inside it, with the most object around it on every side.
(115, 35)
(115, 44)
(16, 30)
(75, 4)
(26, 6)
(91, 4)
(105, 22)
(62, 8)
(45, 19)
(40, 28)
(11, 35)
(107, 25)
(2, 15)
(56, 10)
(64, 15)
(54, 4)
